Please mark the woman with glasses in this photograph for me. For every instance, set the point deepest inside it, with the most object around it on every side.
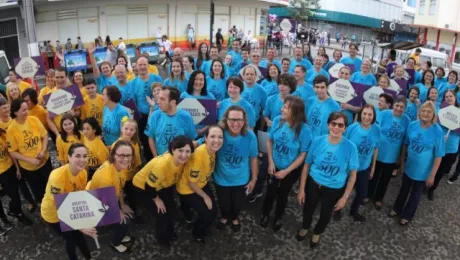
(331, 160)
(287, 146)
(424, 144)
(236, 168)
(113, 173)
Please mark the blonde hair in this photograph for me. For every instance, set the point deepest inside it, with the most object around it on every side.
(431, 105)
(384, 76)
(125, 120)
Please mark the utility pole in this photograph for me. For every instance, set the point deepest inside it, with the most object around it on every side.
(211, 27)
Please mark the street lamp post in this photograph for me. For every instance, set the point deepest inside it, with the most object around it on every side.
(211, 27)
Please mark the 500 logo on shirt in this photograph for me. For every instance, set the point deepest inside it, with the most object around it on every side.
(328, 165)
(30, 141)
(231, 156)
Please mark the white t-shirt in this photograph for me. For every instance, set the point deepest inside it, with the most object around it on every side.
(122, 46)
(166, 44)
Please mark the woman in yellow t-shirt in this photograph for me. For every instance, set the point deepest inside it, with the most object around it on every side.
(157, 180)
(193, 187)
(68, 178)
(49, 87)
(69, 135)
(129, 133)
(27, 142)
(31, 97)
(78, 79)
(13, 92)
(113, 173)
(97, 151)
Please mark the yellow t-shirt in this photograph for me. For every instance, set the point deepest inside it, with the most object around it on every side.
(60, 181)
(41, 113)
(26, 139)
(97, 151)
(5, 160)
(83, 92)
(57, 121)
(159, 173)
(93, 108)
(417, 61)
(153, 69)
(62, 148)
(107, 176)
(43, 92)
(197, 170)
(129, 74)
(5, 125)
(22, 86)
(132, 170)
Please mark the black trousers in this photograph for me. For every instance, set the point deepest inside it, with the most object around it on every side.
(144, 140)
(10, 184)
(231, 200)
(279, 190)
(130, 192)
(73, 239)
(205, 216)
(328, 197)
(119, 231)
(37, 179)
(408, 197)
(164, 225)
(444, 168)
(361, 187)
(379, 184)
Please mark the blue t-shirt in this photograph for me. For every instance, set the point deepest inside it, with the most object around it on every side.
(304, 92)
(287, 146)
(368, 79)
(187, 95)
(312, 73)
(264, 63)
(356, 62)
(180, 85)
(206, 68)
(240, 65)
(271, 87)
(350, 116)
(273, 107)
(423, 91)
(411, 110)
(329, 163)
(111, 123)
(439, 81)
(163, 128)
(104, 81)
(442, 89)
(226, 103)
(125, 91)
(317, 114)
(217, 87)
(236, 58)
(418, 77)
(304, 62)
(141, 89)
(233, 159)
(392, 132)
(453, 141)
(366, 141)
(423, 146)
(256, 96)
(187, 74)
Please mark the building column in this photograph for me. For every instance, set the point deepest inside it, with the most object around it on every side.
(437, 40)
(29, 23)
(454, 44)
(425, 35)
(418, 35)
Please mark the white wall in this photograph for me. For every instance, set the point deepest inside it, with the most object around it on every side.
(383, 9)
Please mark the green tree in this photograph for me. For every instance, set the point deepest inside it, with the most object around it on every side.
(300, 9)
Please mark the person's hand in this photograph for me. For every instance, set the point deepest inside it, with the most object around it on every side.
(218, 104)
(251, 185)
(127, 210)
(430, 181)
(71, 112)
(18, 174)
(417, 101)
(92, 50)
(344, 106)
(445, 138)
(301, 197)
(208, 202)
(281, 174)
(371, 174)
(151, 101)
(91, 232)
(269, 123)
(41, 155)
(340, 204)
(123, 217)
(160, 205)
(34, 161)
(271, 168)
(401, 168)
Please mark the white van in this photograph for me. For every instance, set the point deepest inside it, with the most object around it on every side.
(437, 58)
(4, 68)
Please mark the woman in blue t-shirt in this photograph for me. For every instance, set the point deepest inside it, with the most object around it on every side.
(217, 82)
(236, 169)
(427, 83)
(269, 84)
(424, 144)
(364, 76)
(316, 70)
(413, 103)
(235, 87)
(112, 114)
(393, 128)
(287, 146)
(365, 134)
(440, 77)
(451, 83)
(286, 85)
(331, 160)
(452, 140)
(177, 77)
(432, 95)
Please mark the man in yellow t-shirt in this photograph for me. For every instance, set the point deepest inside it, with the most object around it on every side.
(22, 85)
(416, 57)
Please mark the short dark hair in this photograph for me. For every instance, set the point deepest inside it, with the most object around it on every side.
(336, 115)
(388, 98)
(180, 142)
(174, 93)
(15, 106)
(288, 80)
(74, 147)
(115, 147)
(94, 124)
(401, 98)
(416, 90)
(89, 81)
(32, 94)
(222, 73)
(268, 69)
(113, 93)
(191, 82)
(237, 82)
(441, 69)
(369, 106)
(61, 69)
(320, 79)
(286, 59)
(455, 73)
(418, 50)
(304, 70)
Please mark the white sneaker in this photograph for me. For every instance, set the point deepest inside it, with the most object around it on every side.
(126, 239)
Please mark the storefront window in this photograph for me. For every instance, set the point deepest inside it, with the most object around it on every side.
(422, 7)
(457, 57)
(432, 7)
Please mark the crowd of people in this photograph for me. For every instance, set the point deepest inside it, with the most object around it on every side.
(318, 147)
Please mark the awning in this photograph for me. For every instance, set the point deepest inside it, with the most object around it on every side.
(402, 46)
(423, 26)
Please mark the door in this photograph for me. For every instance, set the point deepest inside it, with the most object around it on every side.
(9, 39)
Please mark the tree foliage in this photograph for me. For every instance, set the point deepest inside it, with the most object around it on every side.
(300, 9)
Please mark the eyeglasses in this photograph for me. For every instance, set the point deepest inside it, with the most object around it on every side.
(235, 120)
(339, 125)
(124, 156)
